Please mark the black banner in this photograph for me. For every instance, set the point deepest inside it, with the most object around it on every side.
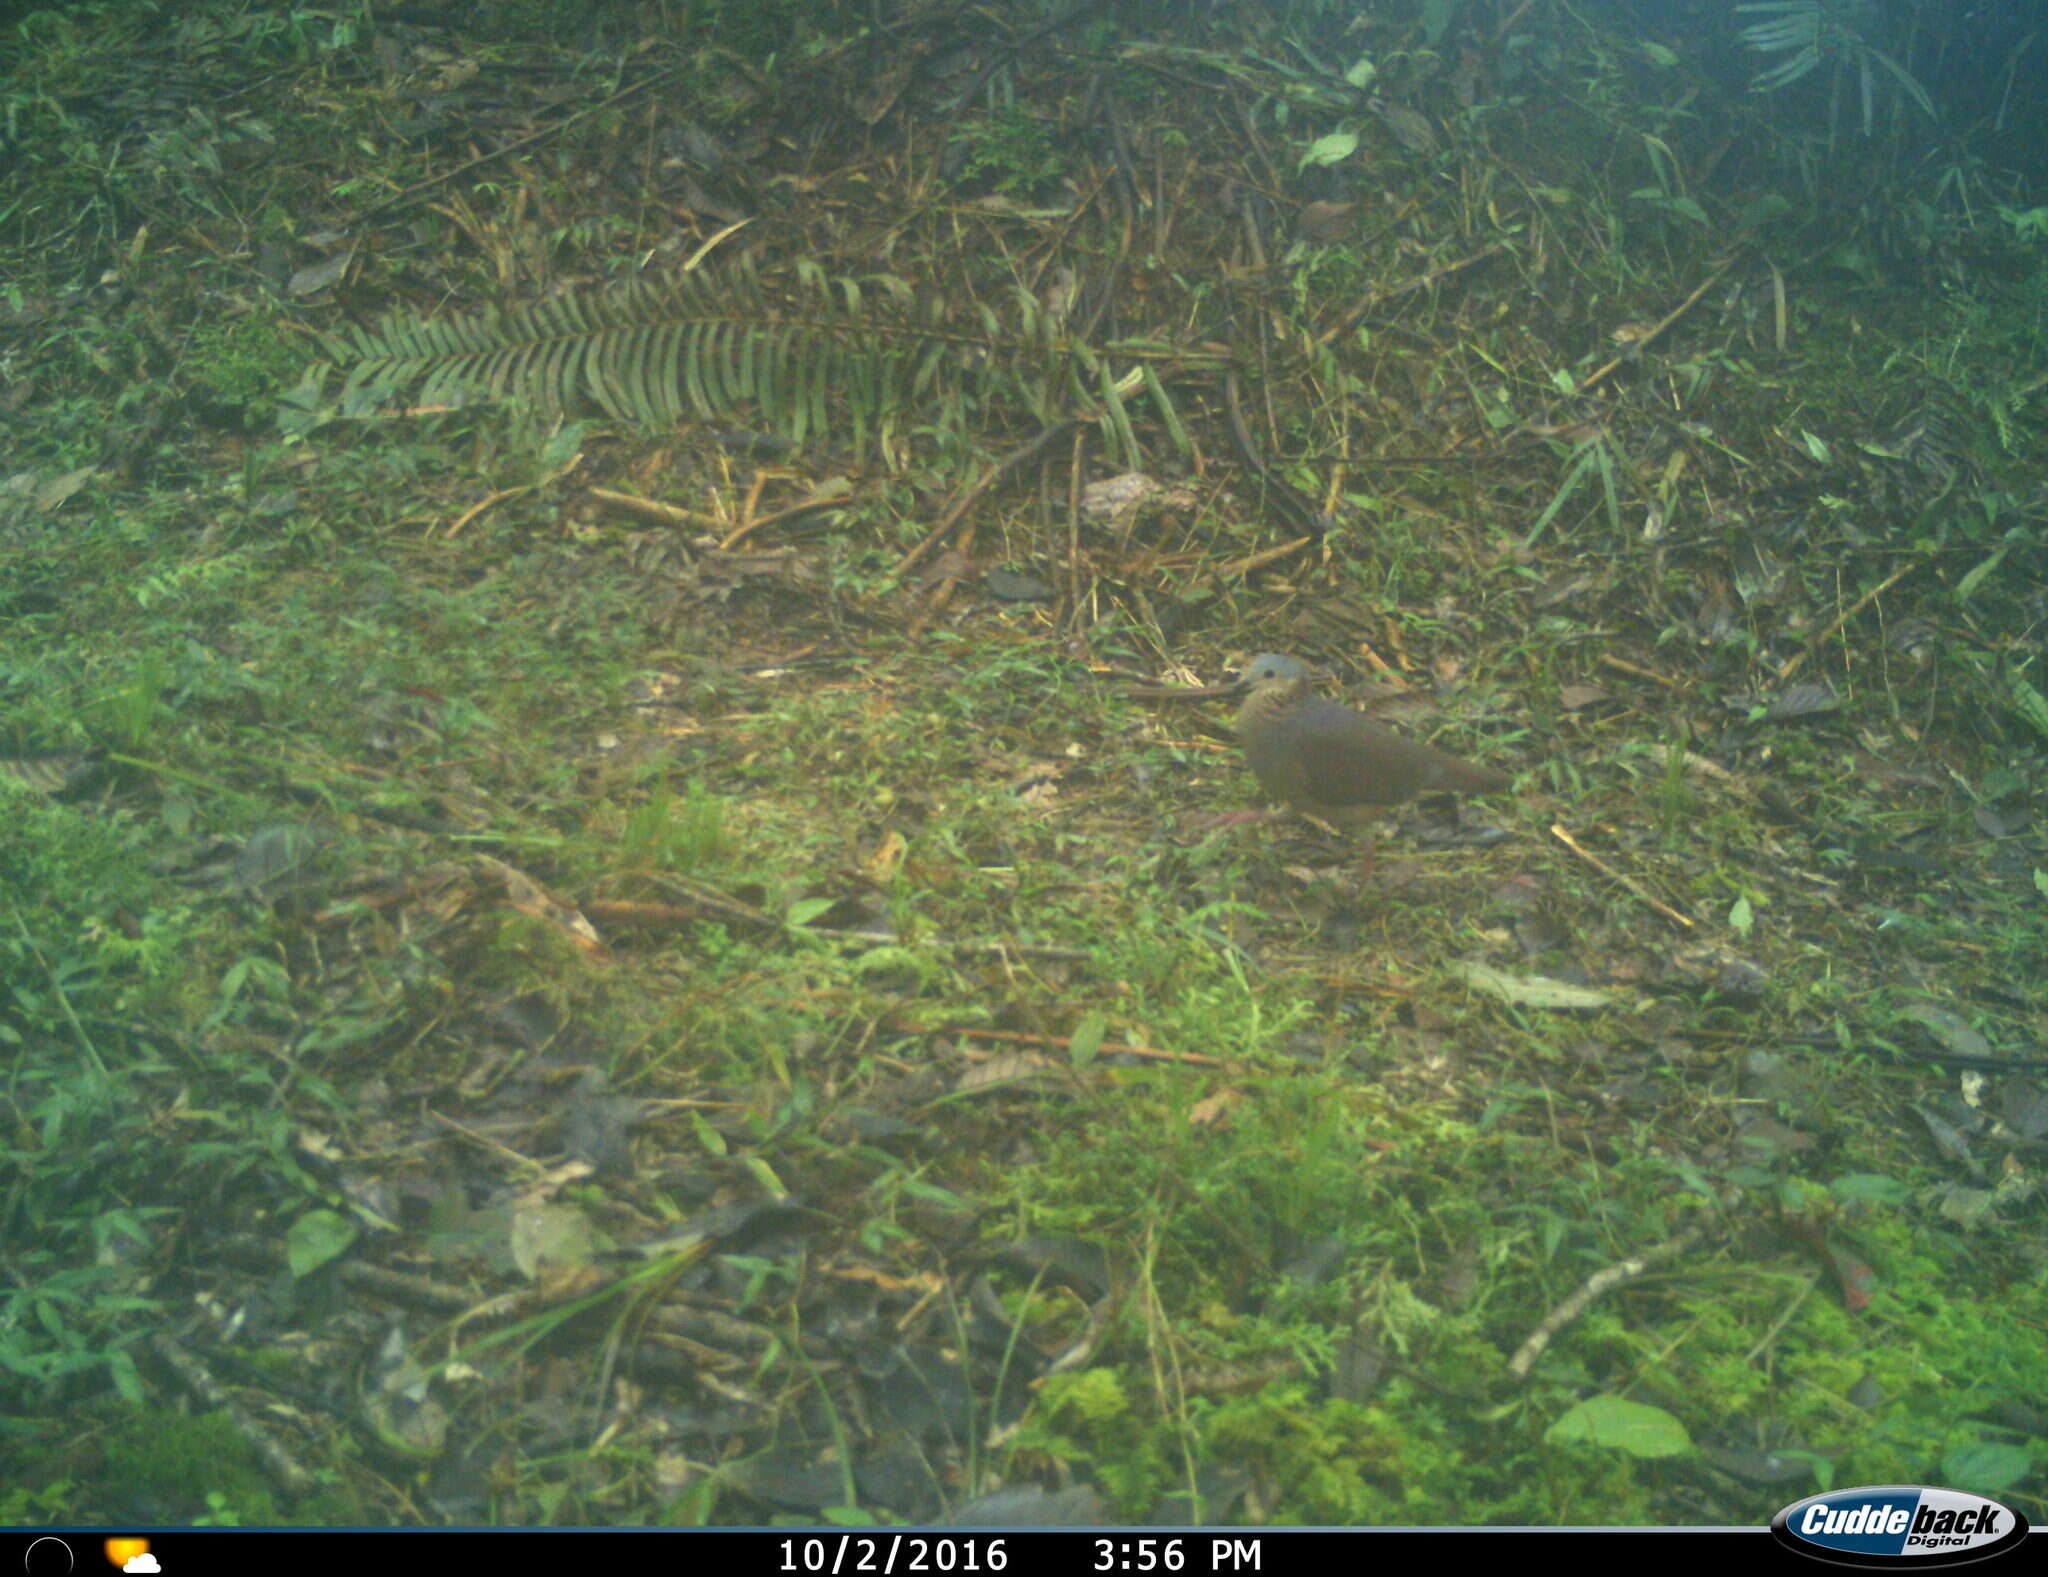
(855, 1552)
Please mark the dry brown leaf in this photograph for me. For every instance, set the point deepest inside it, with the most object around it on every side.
(919, 1284)
(530, 898)
(1009, 1068)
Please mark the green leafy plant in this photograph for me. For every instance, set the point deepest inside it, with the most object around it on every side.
(1010, 150)
(1810, 34)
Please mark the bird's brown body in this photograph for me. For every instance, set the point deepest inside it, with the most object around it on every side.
(1326, 760)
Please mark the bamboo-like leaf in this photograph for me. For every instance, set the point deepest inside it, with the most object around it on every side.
(814, 357)
(692, 371)
(1125, 440)
(672, 355)
(579, 378)
(553, 384)
(531, 374)
(632, 375)
(1033, 322)
(1609, 489)
(494, 374)
(656, 375)
(1583, 463)
(884, 365)
(2028, 702)
(710, 365)
(794, 346)
(738, 347)
(452, 386)
(668, 355)
(927, 370)
(788, 379)
(590, 368)
(1786, 72)
(1907, 82)
(828, 363)
(893, 372)
(773, 392)
(571, 312)
(771, 369)
(1071, 370)
(439, 389)
(1795, 22)
(853, 351)
(1975, 576)
(859, 388)
(627, 345)
(822, 365)
(600, 373)
(1182, 444)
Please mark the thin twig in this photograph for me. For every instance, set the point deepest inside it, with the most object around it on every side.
(510, 148)
(1557, 831)
(1593, 1287)
(972, 496)
(1109, 1048)
(1636, 347)
(279, 1463)
(1792, 664)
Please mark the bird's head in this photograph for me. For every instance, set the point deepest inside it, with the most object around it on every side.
(1271, 671)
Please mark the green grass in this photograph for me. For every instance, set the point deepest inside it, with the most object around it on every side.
(1438, 1157)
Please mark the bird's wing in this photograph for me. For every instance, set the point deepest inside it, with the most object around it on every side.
(1341, 759)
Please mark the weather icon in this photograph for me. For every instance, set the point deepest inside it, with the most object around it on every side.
(131, 1555)
(47, 1557)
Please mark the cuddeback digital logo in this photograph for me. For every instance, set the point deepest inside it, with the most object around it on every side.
(1898, 1525)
